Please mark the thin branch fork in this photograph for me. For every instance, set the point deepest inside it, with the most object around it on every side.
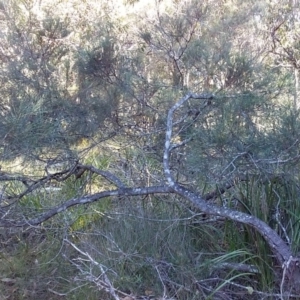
(281, 250)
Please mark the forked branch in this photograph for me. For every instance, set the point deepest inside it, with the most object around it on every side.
(280, 249)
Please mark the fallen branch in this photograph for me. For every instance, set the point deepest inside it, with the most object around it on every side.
(281, 250)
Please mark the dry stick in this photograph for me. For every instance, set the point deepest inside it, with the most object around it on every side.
(109, 286)
(279, 247)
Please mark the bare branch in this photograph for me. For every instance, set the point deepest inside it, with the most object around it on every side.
(105, 282)
(84, 200)
(169, 130)
(107, 175)
(281, 250)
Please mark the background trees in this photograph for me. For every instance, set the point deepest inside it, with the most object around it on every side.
(86, 91)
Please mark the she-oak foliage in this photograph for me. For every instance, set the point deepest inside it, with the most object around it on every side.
(97, 111)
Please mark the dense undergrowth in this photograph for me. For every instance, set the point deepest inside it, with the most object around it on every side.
(155, 246)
